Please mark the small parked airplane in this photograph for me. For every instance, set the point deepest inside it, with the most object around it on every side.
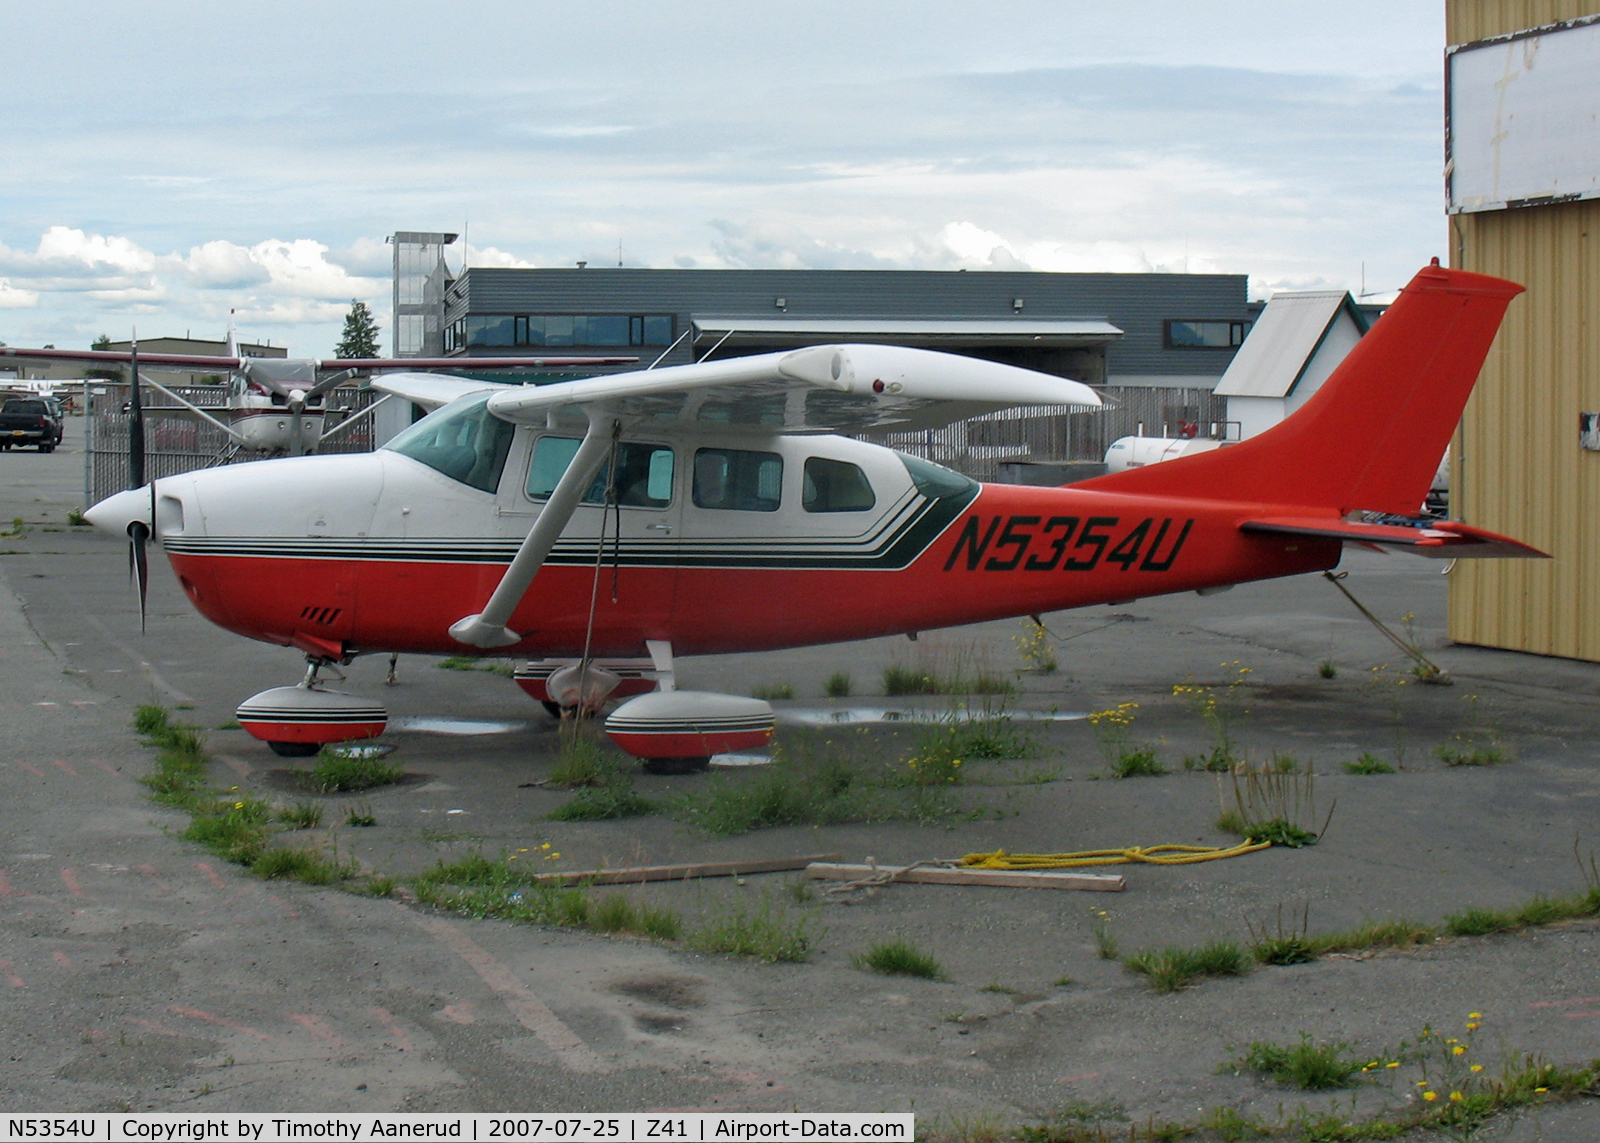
(619, 521)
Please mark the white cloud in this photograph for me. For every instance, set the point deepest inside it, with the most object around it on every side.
(12, 298)
(223, 265)
(493, 257)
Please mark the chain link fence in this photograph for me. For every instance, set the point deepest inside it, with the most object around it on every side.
(176, 440)
(982, 447)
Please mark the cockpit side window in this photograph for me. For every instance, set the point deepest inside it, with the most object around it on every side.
(464, 441)
(835, 486)
(643, 472)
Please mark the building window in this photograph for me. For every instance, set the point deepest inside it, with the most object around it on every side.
(595, 330)
(1205, 334)
(738, 479)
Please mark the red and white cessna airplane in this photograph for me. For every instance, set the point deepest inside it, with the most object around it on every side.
(620, 521)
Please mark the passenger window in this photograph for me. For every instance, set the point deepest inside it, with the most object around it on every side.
(737, 479)
(835, 486)
(644, 472)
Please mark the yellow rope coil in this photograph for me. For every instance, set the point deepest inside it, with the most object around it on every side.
(1152, 855)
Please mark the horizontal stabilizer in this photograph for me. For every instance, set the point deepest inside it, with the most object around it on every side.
(1446, 539)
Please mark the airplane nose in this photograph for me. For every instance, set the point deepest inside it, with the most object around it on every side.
(115, 513)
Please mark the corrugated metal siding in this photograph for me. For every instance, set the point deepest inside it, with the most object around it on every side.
(1518, 468)
(1468, 20)
(1135, 303)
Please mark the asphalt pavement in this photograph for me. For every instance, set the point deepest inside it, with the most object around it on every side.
(142, 973)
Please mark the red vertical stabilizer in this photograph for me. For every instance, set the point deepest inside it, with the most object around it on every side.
(1372, 436)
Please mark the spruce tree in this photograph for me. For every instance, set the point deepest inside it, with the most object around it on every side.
(360, 338)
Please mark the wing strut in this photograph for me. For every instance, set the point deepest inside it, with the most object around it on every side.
(488, 627)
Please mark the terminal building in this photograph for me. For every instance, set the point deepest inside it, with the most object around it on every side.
(1155, 344)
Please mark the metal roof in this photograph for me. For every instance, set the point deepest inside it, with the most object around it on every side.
(969, 331)
(1283, 341)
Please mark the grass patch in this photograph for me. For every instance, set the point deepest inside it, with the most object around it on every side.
(1137, 763)
(334, 775)
(1305, 1065)
(899, 958)
(773, 691)
(764, 931)
(986, 738)
(472, 663)
(1468, 755)
(812, 781)
(377, 887)
(1379, 935)
(308, 865)
(234, 831)
(360, 816)
(899, 679)
(76, 518)
(1327, 669)
(581, 760)
(479, 887)
(837, 685)
(613, 800)
(301, 815)
(1369, 763)
(1172, 968)
(1539, 911)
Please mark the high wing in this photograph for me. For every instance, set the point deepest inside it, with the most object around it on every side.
(819, 389)
(430, 390)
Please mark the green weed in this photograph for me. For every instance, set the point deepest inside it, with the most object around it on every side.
(234, 831)
(301, 815)
(773, 691)
(1139, 763)
(899, 958)
(1327, 669)
(615, 799)
(360, 816)
(764, 931)
(331, 774)
(1470, 755)
(1305, 1065)
(76, 519)
(582, 761)
(1368, 763)
(837, 685)
(811, 782)
(903, 680)
(1172, 968)
(307, 865)
(1273, 804)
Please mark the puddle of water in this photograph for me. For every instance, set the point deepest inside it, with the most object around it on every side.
(468, 726)
(360, 750)
(741, 759)
(859, 715)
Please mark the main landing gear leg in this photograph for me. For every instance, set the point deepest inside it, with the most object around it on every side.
(393, 677)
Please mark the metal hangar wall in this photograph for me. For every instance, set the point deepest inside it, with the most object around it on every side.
(1524, 182)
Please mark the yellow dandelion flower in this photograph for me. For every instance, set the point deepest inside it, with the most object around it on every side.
(546, 845)
(1430, 1096)
(1473, 1026)
(1395, 1064)
(238, 805)
(1422, 1083)
(1458, 1050)
(522, 851)
(1477, 1067)
(1474, 1015)
(1541, 1090)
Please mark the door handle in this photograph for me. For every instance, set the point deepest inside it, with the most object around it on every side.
(667, 528)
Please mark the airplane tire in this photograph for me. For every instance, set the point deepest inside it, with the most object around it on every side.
(554, 708)
(294, 749)
(47, 448)
(676, 765)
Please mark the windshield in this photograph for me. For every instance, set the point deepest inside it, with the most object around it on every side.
(463, 440)
(934, 480)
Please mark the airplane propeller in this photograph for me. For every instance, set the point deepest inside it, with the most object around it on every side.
(139, 533)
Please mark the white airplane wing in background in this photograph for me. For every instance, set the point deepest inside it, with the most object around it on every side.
(430, 390)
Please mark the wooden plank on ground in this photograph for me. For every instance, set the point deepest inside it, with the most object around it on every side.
(963, 875)
(642, 873)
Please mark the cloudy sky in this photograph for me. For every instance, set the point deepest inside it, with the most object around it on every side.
(167, 160)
